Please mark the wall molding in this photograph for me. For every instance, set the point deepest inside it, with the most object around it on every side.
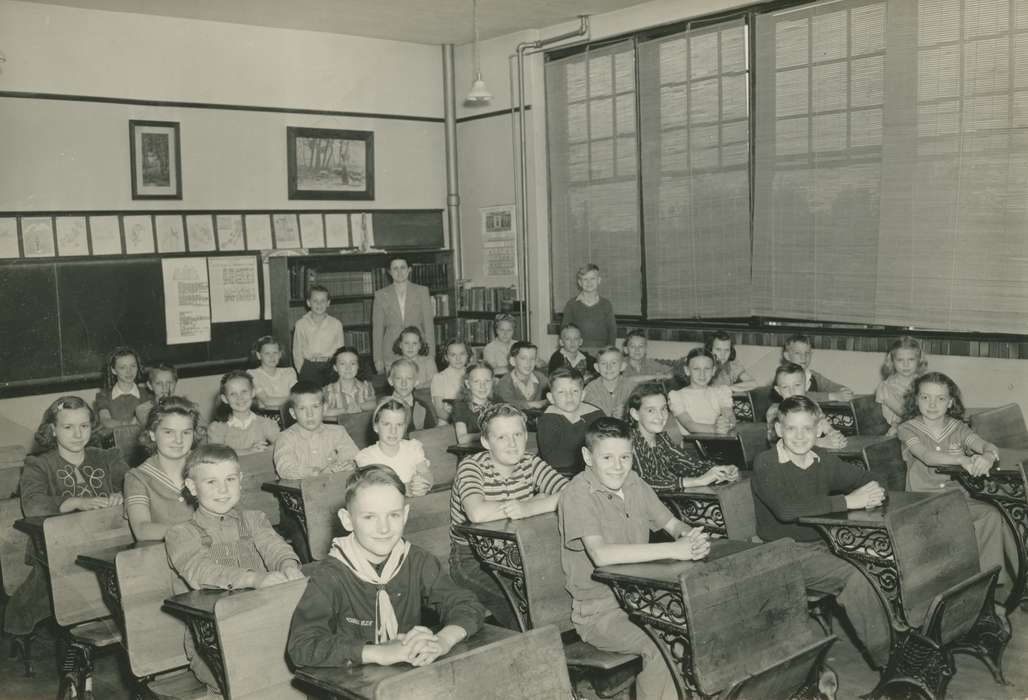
(10, 94)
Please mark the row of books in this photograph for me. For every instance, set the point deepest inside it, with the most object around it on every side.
(476, 330)
(440, 305)
(351, 313)
(362, 282)
(358, 339)
(487, 298)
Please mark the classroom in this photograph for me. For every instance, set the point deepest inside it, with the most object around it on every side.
(698, 199)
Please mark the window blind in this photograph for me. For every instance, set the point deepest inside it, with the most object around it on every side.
(820, 92)
(953, 252)
(593, 157)
(694, 93)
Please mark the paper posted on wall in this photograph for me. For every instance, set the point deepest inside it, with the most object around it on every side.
(234, 288)
(187, 300)
(499, 259)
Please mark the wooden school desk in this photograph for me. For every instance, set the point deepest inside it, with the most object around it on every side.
(1005, 488)
(361, 682)
(732, 625)
(101, 563)
(708, 506)
(919, 553)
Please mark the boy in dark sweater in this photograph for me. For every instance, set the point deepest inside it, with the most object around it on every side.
(363, 602)
(792, 480)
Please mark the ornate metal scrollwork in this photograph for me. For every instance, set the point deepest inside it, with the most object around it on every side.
(662, 613)
(292, 503)
(742, 407)
(111, 594)
(844, 422)
(870, 549)
(697, 511)
(503, 559)
(205, 639)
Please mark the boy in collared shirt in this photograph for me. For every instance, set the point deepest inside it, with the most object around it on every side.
(605, 516)
(799, 349)
(523, 386)
(222, 546)
(790, 381)
(610, 390)
(403, 377)
(502, 482)
(309, 447)
(315, 337)
(794, 479)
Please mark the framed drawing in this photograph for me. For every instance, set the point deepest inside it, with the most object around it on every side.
(138, 234)
(200, 233)
(8, 237)
(171, 236)
(37, 237)
(105, 233)
(71, 236)
(330, 163)
(156, 160)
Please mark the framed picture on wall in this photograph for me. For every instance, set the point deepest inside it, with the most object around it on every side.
(156, 160)
(330, 163)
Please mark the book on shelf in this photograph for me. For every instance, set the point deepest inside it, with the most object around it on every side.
(487, 299)
(440, 305)
(361, 340)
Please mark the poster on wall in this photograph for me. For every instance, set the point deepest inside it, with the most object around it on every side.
(71, 235)
(200, 233)
(234, 289)
(499, 259)
(37, 236)
(337, 230)
(138, 234)
(287, 233)
(105, 235)
(171, 237)
(230, 232)
(187, 300)
(258, 232)
(312, 231)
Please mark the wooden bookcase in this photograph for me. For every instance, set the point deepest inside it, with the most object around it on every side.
(352, 279)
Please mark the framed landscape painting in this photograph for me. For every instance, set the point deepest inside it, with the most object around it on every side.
(330, 163)
(156, 160)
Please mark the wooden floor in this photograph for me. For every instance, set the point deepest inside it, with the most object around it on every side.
(972, 682)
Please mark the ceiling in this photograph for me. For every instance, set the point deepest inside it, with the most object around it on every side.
(419, 21)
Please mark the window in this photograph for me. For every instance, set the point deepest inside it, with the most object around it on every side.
(594, 201)
(694, 90)
(873, 169)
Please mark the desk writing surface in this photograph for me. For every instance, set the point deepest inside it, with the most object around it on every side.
(875, 516)
(668, 571)
(855, 444)
(102, 557)
(360, 681)
(292, 485)
(199, 602)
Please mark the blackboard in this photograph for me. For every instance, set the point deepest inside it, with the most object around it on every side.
(59, 319)
(412, 228)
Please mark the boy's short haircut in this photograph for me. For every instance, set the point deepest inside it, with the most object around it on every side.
(371, 475)
(797, 404)
(209, 454)
(797, 338)
(787, 368)
(403, 361)
(455, 341)
(570, 327)
(522, 345)
(483, 366)
(609, 348)
(500, 410)
(635, 333)
(566, 373)
(153, 369)
(318, 288)
(500, 318)
(394, 258)
(586, 269)
(605, 428)
(302, 388)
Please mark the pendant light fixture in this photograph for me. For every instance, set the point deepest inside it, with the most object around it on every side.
(479, 92)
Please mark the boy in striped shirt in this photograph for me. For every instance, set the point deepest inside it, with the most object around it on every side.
(502, 482)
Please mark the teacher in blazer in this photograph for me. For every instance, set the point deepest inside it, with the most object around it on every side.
(401, 304)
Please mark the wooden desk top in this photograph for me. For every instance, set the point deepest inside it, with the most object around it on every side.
(1010, 460)
(873, 517)
(666, 572)
(103, 559)
(287, 485)
(465, 450)
(359, 682)
(197, 603)
(711, 490)
(855, 444)
(32, 525)
(505, 528)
